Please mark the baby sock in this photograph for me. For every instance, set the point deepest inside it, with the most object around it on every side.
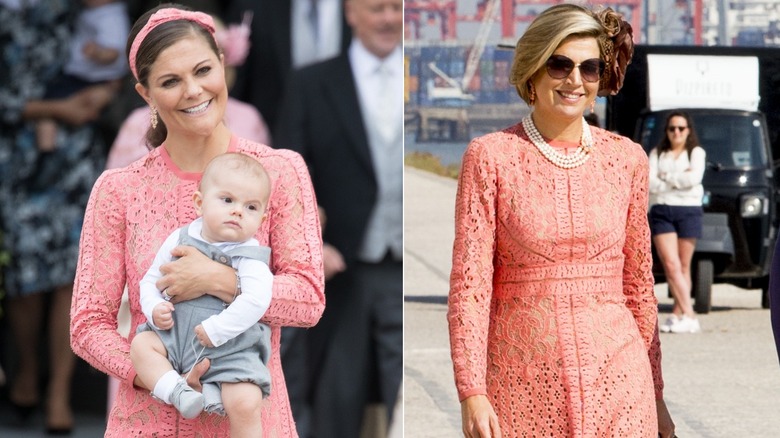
(165, 385)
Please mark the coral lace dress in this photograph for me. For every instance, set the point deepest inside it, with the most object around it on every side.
(130, 213)
(552, 312)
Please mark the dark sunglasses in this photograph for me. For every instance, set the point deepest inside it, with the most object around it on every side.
(560, 67)
(676, 128)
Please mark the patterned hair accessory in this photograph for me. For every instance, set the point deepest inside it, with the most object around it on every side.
(617, 47)
(164, 16)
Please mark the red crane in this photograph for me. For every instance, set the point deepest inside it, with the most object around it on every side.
(445, 12)
(431, 10)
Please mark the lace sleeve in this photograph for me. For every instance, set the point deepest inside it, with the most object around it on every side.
(472, 271)
(99, 283)
(296, 247)
(637, 270)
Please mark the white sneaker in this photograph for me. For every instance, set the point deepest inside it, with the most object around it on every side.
(686, 325)
(666, 327)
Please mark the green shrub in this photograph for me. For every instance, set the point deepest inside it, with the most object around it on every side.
(431, 163)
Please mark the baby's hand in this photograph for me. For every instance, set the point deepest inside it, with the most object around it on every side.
(90, 50)
(200, 332)
(162, 315)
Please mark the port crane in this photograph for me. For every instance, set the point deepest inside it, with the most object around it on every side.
(418, 13)
(457, 91)
(447, 97)
(507, 12)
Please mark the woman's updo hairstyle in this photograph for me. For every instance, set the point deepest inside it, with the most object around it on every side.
(560, 22)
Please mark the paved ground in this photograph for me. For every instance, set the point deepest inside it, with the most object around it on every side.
(723, 382)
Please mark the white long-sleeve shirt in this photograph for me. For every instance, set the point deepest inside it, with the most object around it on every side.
(677, 181)
(245, 311)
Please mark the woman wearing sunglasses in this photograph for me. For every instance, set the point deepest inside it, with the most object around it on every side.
(676, 170)
(552, 314)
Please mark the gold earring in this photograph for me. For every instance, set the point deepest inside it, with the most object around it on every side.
(593, 107)
(153, 117)
(532, 98)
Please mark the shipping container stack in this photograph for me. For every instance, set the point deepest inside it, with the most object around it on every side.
(489, 86)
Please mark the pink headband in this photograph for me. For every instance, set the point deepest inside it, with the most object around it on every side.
(164, 16)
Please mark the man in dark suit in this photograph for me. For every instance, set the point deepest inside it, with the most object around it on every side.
(274, 53)
(263, 77)
(345, 116)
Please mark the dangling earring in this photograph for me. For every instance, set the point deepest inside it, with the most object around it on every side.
(593, 106)
(153, 117)
(532, 97)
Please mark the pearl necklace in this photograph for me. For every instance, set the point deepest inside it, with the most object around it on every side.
(565, 161)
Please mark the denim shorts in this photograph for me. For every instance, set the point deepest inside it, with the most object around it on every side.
(683, 220)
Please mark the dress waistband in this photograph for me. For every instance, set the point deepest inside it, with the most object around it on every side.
(559, 279)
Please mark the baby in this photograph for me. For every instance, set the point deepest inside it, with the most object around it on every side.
(231, 199)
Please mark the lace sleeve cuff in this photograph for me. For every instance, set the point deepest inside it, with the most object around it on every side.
(464, 394)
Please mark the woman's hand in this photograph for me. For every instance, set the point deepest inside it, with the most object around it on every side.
(665, 423)
(479, 418)
(194, 275)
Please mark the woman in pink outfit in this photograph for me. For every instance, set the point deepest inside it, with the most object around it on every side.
(552, 314)
(180, 74)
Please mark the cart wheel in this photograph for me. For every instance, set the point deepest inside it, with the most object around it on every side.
(702, 286)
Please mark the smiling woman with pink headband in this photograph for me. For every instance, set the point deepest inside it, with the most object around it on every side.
(242, 118)
(179, 68)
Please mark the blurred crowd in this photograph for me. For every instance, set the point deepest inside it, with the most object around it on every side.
(321, 77)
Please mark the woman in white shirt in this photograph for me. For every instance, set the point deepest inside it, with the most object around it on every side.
(676, 170)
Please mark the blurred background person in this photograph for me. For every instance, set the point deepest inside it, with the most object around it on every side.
(96, 56)
(42, 199)
(676, 170)
(286, 35)
(345, 116)
(211, 7)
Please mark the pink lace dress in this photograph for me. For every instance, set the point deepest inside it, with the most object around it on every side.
(552, 312)
(130, 212)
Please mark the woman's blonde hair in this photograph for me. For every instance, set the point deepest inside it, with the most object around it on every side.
(551, 28)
